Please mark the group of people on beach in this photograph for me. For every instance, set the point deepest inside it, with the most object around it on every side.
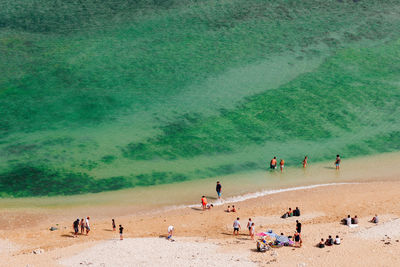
(83, 224)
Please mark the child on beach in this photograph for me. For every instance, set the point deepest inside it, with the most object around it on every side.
(282, 164)
(236, 226)
(297, 240)
(298, 226)
(113, 224)
(121, 230)
(329, 241)
(218, 189)
(250, 226)
(233, 208)
(204, 202)
(337, 162)
(170, 231)
(305, 161)
(229, 209)
(321, 244)
(82, 226)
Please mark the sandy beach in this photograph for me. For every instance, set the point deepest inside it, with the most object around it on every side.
(204, 238)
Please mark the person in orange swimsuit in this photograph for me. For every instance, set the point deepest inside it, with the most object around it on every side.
(282, 164)
(305, 161)
(204, 202)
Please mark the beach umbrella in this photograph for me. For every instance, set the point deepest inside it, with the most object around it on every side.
(282, 239)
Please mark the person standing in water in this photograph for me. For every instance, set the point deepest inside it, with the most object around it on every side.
(218, 189)
(305, 161)
(337, 162)
(282, 164)
(272, 164)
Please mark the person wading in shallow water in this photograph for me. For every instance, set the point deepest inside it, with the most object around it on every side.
(273, 163)
(305, 161)
(218, 189)
(337, 162)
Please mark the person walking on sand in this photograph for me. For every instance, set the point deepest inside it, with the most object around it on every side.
(121, 230)
(236, 226)
(170, 232)
(218, 189)
(305, 161)
(273, 163)
(204, 202)
(113, 224)
(75, 225)
(337, 162)
(250, 226)
(282, 164)
(87, 225)
(82, 226)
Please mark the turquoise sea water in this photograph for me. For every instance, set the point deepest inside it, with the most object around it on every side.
(104, 95)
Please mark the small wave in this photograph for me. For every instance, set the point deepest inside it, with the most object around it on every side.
(258, 194)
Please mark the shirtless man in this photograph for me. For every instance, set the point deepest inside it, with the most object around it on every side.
(273, 163)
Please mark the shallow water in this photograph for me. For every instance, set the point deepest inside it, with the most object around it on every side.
(236, 188)
(142, 93)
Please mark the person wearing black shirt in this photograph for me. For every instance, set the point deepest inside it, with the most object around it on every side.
(218, 189)
(298, 226)
(121, 229)
(76, 227)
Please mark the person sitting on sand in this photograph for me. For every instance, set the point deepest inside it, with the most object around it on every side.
(321, 244)
(233, 208)
(229, 209)
(170, 231)
(329, 241)
(297, 240)
(290, 212)
(354, 220)
(210, 206)
(348, 220)
(296, 212)
(121, 230)
(75, 225)
(375, 219)
(337, 240)
(204, 202)
(236, 226)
